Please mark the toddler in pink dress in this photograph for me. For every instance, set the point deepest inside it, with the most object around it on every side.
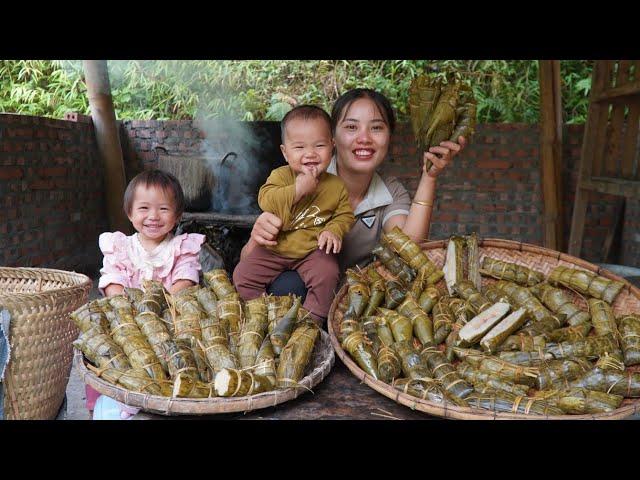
(154, 202)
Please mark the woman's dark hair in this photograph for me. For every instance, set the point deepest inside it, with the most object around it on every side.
(155, 178)
(344, 101)
(305, 112)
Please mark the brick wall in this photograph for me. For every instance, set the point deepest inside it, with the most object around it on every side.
(51, 194)
(52, 191)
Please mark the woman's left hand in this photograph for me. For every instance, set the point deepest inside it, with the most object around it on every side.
(442, 155)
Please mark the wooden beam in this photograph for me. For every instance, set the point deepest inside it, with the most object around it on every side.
(632, 88)
(108, 140)
(551, 152)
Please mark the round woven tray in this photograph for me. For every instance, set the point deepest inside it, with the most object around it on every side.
(39, 301)
(532, 256)
(321, 362)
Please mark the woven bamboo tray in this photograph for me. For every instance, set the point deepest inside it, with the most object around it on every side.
(39, 301)
(321, 362)
(532, 256)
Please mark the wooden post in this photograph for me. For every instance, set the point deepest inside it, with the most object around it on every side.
(551, 152)
(104, 123)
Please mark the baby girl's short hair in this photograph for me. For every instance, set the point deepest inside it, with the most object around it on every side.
(159, 179)
(304, 112)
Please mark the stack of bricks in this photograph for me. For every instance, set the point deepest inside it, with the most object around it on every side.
(52, 205)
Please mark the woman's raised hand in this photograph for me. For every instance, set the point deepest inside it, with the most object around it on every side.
(442, 155)
(266, 228)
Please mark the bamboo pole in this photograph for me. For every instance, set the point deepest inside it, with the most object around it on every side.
(108, 140)
(551, 152)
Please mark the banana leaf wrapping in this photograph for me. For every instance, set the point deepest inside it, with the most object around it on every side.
(239, 383)
(219, 282)
(443, 118)
(90, 315)
(208, 301)
(476, 377)
(409, 251)
(501, 401)
(168, 317)
(101, 350)
(418, 285)
(559, 302)
(473, 260)
(462, 313)
(277, 307)
(587, 283)
(422, 326)
(412, 364)
(580, 401)
(394, 264)
(520, 296)
(136, 380)
(265, 362)
(181, 360)
(475, 299)
(376, 297)
(479, 326)
(443, 320)
(153, 298)
(511, 272)
(498, 334)
(558, 373)
(629, 328)
(590, 347)
(465, 114)
(230, 316)
(354, 340)
(426, 389)
(296, 355)
(134, 295)
(186, 386)
(358, 296)
(353, 276)
(370, 329)
(502, 369)
(215, 345)
(127, 334)
(572, 333)
(523, 343)
(428, 298)
(384, 331)
(495, 295)
(389, 365)
(626, 384)
(604, 323)
(284, 327)
(253, 332)
(525, 358)
(400, 325)
(187, 327)
(445, 373)
(394, 294)
(424, 92)
(156, 333)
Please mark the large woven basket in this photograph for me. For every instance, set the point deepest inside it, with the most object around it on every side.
(39, 301)
(532, 256)
(321, 362)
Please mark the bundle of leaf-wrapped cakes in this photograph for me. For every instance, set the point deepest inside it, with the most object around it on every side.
(517, 342)
(201, 342)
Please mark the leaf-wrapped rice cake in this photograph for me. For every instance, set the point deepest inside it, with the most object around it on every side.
(445, 373)
(253, 331)
(284, 327)
(454, 263)
(558, 373)
(219, 282)
(265, 362)
(443, 320)
(498, 334)
(186, 386)
(484, 321)
(389, 364)
(153, 298)
(511, 272)
(296, 354)
(277, 307)
(412, 364)
(208, 301)
(358, 296)
(230, 316)
(394, 294)
(626, 384)
(426, 389)
(90, 315)
(474, 298)
(180, 360)
(126, 333)
(394, 264)
(101, 350)
(428, 298)
(579, 401)
(572, 333)
(136, 380)
(377, 295)
(560, 303)
(409, 250)
(354, 341)
(590, 347)
(475, 377)
(156, 333)
(501, 401)
(502, 369)
(629, 329)
(587, 283)
(523, 343)
(525, 358)
(400, 325)
(239, 383)
(520, 296)
(215, 345)
(604, 323)
(422, 326)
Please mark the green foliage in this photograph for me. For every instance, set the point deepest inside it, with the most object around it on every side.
(507, 91)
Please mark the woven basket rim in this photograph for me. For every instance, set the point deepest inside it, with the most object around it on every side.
(448, 409)
(80, 280)
(205, 406)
